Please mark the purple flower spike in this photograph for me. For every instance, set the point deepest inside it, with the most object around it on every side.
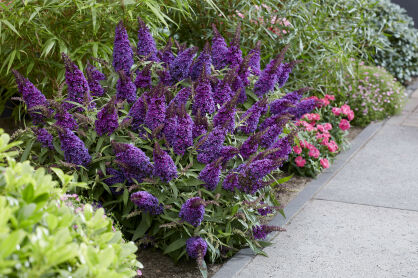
(45, 138)
(226, 115)
(268, 76)
(261, 232)
(223, 92)
(137, 112)
(65, 119)
(285, 71)
(165, 77)
(181, 97)
(75, 151)
(143, 78)
(204, 61)
(219, 50)
(255, 60)
(303, 107)
(164, 166)
(122, 51)
(200, 125)
(134, 162)
(211, 145)
(284, 148)
(155, 114)
(280, 106)
(271, 133)
(146, 45)
(115, 177)
(196, 248)
(35, 101)
(252, 116)
(238, 86)
(210, 174)
(227, 153)
(170, 125)
(231, 180)
(78, 87)
(125, 89)
(166, 55)
(203, 99)
(184, 136)
(107, 119)
(147, 202)
(250, 146)
(193, 211)
(179, 68)
(94, 76)
(234, 51)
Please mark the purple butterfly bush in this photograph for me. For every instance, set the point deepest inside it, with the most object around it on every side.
(261, 232)
(125, 88)
(211, 173)
(203, 98)
(252, 116)
(64, 119)
(193, 211)
(133, 161)
(75, 152)
(164, 166)
(143, 77)
(78, 87)
(94, 76)
(234, 55)
(273, 131)
(45, 138)
(227, 153)
(204, 61)
(220, 50)
(179, 68)
(146, 45)
(170, 125)
(184, 136)
(285, 71)
(145, 201)
(239, 87)
(181, 97)
(254, 62)
(107, 119)
(303, 107)
(200, 125)
(250, 146)
(165, 77)
(137, 112)
(114, 177)
(283, 147)
(222, 92)
(231, 180)
(210, 145)
(196, 248)
(122, 51)
(225, 117)
(155, 115)
(166, 55)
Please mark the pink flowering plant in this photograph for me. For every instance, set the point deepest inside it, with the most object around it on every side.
(321, 137)
(373, 94)
(179, 146)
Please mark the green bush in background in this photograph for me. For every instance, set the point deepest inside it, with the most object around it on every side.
(41, 235)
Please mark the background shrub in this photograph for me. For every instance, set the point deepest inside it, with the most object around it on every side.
(42, 234)
(374, 94)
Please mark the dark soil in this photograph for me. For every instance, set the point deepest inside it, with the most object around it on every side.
(157, 265)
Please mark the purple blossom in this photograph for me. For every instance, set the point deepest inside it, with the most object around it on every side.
(285, 71)
(252, 116)
(145, 201)
(203, 98)
(250, 146)
(210, 174)
(280, 106)
(170, 125)
(33, 98)
(219, 50)
(164, 166)
(137, 112)
(268, 76)
(226, 116)
(255, 60)
(196, 247)
(259, 168)
(78, 87)
(284, 148)
(107, 119)
(261, 232)
(184, 136)
(114, 177)
(303, 107)
(134, 162)
(65, 119)
(179, 68)
(204, 61)
(125, 89)
(45, 138)
(269, 137)
(211, 145)
(181, 97)
(223, 92)
(264, 211)
(75, 151)
(122, 51)
(166, 55)
(234, 55)
(238, 86)
(200, 125)
(155, 115)
(165, 77)
(227, 153)
(193, 211)
(231, 180)
(143, 78)
(146, 45)
(94, 76)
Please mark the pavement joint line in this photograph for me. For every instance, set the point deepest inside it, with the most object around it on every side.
(363, 204)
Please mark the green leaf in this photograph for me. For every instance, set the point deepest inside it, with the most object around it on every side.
(5, 21)
(125, 196)
(28, 148)
(49, 44)
(142, 227)
(175, 245)
(11, 59)
(282, 180)
(27, 193)
(9, 244)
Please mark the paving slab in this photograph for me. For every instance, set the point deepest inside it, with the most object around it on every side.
(384, 173)
(333, 239)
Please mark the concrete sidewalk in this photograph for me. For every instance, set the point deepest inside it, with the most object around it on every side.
(364, 221)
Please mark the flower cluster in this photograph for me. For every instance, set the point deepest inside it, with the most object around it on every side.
(321, 136)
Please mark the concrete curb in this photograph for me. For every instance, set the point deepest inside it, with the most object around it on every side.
(245, 256)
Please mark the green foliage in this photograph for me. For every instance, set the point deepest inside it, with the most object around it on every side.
(374, 94)
(43, 236)
(33, 34)
(324, 33)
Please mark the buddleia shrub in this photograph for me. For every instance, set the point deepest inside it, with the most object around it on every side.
(44, 234)
(179, 145)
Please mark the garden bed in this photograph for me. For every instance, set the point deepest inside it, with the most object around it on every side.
(157, 265)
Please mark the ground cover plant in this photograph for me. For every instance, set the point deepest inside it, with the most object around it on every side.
(373, 94)
(321, 137)
(44, 234)
(181, 150)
